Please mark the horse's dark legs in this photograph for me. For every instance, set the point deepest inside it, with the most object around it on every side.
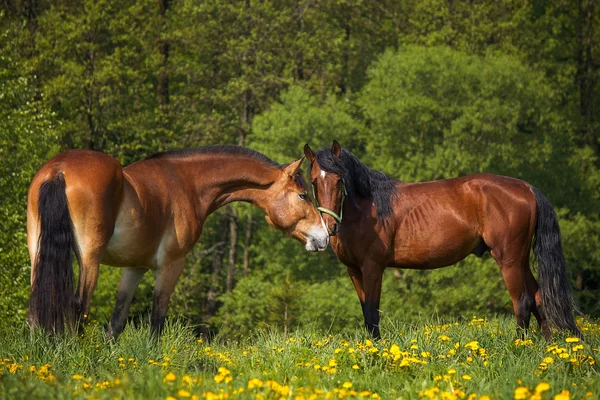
(513, 271)
(89, 266)
(166, 278)
(357, 279)
(537, 309)
(372, 277)
(130, 279)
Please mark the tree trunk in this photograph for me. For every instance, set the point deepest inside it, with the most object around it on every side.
(586, 70)
(233, 237)
(247, 240)
(217, 263)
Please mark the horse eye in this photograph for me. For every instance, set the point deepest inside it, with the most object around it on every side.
(303, 196)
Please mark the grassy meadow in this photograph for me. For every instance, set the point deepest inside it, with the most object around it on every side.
(474, 358)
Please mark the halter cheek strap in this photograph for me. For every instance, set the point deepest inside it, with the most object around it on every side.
(338, 218)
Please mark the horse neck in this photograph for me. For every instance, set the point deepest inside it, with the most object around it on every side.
(357, 207)
(220, 179)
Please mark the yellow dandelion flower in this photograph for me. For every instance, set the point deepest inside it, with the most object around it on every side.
(474, 345)
(347, 385)
(572, 340)
(183, 393)
(542, 387)
(451, 371)
(564, 395)
(521, 393)
(170, 377)
(170, 398)
(466, 377)
(254, 383)
(77, 377)
(355, 366)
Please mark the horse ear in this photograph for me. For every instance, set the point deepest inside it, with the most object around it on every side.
(336, 149)
(308, 153)
(292, 168)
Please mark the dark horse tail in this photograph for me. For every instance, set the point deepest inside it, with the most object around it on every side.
(557, 301)
(52, 301)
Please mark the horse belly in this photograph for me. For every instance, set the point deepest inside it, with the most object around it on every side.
(130, 245)
(435, 250)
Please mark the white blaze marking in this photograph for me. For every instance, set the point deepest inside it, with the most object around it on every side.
(323, 174)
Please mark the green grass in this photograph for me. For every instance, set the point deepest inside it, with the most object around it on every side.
(468, 359)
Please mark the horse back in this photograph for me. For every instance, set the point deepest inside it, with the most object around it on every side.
(439, 223)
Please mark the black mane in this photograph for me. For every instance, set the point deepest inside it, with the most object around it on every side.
(360, 180)
(216, 149)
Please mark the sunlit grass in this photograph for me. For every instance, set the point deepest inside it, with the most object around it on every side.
(472, 359)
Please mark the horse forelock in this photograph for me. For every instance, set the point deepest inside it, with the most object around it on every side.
(360, 180)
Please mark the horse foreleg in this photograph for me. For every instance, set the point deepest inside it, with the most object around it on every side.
(357, 279)
(130, 279)
(166, 278)
(372, 276)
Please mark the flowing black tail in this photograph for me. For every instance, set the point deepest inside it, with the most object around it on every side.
(52, 301)
(557, 301)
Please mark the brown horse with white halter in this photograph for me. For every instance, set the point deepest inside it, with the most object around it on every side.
(147, 215)
(384, 222)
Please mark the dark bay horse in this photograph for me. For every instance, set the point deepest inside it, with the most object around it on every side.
(384, 222)
(147, 215)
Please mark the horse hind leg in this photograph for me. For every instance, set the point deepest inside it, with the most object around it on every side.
(513, 268)
(89, 267)
(538, 309)
(94, 227)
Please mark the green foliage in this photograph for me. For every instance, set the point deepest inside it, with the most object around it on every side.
(436, 112)
(27, 139)
(419, 89)
(302, 118)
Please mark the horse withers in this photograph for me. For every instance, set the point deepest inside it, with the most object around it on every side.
(147, 215)
(384, 222)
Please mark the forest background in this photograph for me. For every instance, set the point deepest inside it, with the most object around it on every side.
(420, 89)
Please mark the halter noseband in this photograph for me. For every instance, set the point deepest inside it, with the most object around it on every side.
(338, 218)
